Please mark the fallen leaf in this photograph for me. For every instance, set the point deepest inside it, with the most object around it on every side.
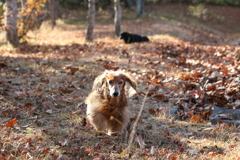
(232, 146)
(153, 150)
(29, 139)
(192, 151)
(145, 153)
(46, 151)
(65, 90)
(152, 111)
(195, 119)
(140, 141)
(179, 134)
(211, 154)
(49, 111)
(107, 66)
(19, 93)
(3, 65)
(172, 156)
(228, 116)
(91, 153)
(11, 123)
(180, 148)
(88, 149)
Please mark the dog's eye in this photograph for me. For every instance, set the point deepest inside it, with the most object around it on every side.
(120, 82)
(110, 81)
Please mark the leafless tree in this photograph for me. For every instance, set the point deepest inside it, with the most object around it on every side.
(140, 7)
(129, 3)
(117, 17)
(54, 11)
(91, 20)
(11, 22)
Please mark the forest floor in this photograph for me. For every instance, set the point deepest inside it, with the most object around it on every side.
(191, 63)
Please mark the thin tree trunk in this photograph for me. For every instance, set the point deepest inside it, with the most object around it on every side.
(54, 11)
(53, 15)
(140, 7)
(11, 22)
(128, 3)
(118, 17)
(91, 20)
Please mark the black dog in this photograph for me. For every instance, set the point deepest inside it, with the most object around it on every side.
(132, 38)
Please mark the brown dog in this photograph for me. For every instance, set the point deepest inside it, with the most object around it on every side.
(107, 103)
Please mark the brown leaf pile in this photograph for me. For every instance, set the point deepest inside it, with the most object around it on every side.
(43, 87)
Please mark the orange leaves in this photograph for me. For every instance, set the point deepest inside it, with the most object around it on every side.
(35, 4)
(90, 151)
(65, 90)
(27, 22)
(211, 87)
(232, 146)
(71, 69)
(45, 151)
(181, 148)
(172, 157)
(110, 67)
(11, 123)
(45, 84)
(197, 74)
(195, 119)
(212, 154)
(186, 76)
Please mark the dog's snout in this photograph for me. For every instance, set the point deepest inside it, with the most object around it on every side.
(115, 94)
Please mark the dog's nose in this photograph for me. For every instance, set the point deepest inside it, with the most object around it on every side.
(115, 94)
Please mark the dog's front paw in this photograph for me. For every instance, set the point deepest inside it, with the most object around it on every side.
(111, 133)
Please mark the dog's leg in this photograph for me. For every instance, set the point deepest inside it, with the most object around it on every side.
(98, 121)
(115, 125)
(119, 122)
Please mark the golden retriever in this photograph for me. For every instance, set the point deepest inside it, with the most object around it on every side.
(107, 103)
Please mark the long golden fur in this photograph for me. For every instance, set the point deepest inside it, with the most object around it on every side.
(107, 103)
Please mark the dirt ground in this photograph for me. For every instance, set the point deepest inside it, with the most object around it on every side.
(218, 25)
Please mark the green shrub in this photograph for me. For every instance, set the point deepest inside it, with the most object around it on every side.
(198, 11)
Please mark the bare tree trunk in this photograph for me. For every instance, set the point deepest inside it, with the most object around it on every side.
(117, 17)
(53, 12)
(140, 7)
(129, 3)
(91, 20)
(53, 15)
(11, 22)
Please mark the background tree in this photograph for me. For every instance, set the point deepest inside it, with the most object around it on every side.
(54, 12)
(31, 16)
(91, 20)
(140, 7)
(117, 17)
(129, 3)
(11, 22)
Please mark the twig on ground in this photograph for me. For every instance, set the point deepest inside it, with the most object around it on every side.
(128, 149)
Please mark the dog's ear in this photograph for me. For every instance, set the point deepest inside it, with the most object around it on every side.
(131, 81)
(130, 89)
(99, 81)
